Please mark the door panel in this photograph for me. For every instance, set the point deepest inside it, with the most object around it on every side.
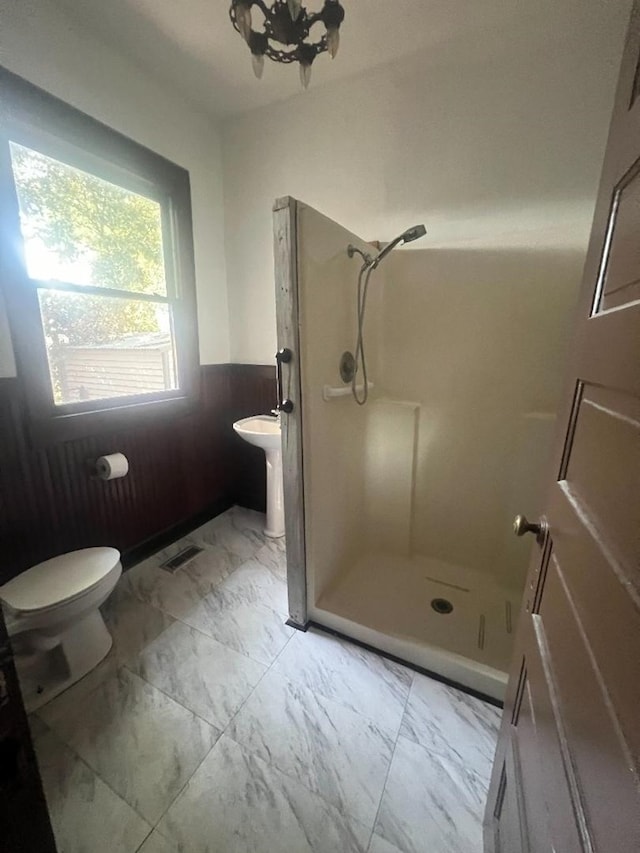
(608, 612)
(621, 269)
(594, 742)
(532, 805)
(536, 767)
(603, 468)
(569, 745)
(510, 808)
(607, 366)
(548, 753)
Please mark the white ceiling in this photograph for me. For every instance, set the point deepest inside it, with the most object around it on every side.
(191, 45)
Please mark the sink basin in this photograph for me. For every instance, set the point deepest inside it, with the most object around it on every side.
(264, 431)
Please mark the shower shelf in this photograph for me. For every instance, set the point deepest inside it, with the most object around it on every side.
(330, 392)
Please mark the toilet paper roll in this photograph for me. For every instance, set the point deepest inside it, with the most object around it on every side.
(112, 467)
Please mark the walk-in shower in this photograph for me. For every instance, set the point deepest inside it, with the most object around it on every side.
(399, 513)
(351, 363)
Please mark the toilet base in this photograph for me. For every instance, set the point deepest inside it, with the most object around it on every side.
(43, 674)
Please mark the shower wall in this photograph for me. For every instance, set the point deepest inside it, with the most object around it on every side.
(465, 351)
(476, 339)
(333, 430)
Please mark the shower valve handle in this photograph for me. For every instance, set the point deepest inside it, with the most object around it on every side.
(283, 356)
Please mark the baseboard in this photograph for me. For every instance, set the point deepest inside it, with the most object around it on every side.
(177, 531)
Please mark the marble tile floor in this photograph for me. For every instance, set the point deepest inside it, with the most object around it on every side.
(212, 727)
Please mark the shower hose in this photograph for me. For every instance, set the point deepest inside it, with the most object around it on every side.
(365, 273)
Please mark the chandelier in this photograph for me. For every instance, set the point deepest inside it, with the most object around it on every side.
(286, 34)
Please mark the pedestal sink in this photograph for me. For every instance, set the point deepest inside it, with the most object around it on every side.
(264, 431)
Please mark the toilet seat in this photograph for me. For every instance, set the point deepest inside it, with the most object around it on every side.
(59, 580)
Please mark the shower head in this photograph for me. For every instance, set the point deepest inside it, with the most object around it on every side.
(407, 236)
(414, 233)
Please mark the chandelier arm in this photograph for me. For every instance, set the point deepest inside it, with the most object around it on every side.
(263, 6)
(294, 55)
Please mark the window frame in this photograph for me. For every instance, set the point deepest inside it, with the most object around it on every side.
(32, 117)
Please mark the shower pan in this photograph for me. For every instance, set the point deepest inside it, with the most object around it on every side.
(398, 512)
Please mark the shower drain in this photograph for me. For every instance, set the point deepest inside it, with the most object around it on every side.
(441, 605)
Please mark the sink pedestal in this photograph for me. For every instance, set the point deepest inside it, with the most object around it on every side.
(275, 496)
(264, 431)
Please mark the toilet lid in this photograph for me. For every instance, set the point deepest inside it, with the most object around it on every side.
(59, 579)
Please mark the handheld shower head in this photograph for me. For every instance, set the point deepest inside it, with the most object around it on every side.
(414, 233)
(407, 236)
(368, 266)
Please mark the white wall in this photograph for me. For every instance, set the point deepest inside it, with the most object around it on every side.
(38, 42)
(492, 149)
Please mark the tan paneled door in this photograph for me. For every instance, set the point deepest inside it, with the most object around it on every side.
(566, 776)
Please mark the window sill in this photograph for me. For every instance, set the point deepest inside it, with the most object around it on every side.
(58, 428)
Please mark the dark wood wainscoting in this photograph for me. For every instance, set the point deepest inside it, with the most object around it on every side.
(183, 469)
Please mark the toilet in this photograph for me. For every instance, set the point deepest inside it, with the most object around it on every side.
(57, 631)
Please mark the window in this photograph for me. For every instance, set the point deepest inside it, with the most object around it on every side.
(97, 267)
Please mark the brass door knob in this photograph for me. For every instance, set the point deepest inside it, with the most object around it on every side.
(522, 526)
